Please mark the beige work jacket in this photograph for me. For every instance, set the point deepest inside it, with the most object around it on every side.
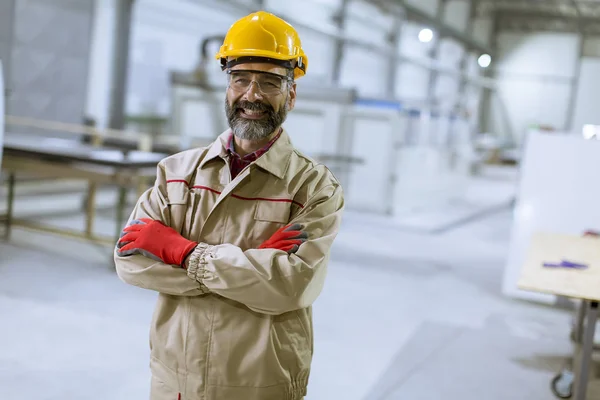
(240, 327)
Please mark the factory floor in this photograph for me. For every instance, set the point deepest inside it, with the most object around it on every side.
(404, 315)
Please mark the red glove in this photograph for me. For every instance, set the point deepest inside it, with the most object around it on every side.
(155, 240)
(288, 238)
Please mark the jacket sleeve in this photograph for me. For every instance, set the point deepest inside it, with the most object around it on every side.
(272, 281)
(144, 272)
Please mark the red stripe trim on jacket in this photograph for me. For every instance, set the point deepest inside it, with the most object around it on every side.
(237, 196)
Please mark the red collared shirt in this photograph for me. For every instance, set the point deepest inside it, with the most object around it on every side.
(238, 163)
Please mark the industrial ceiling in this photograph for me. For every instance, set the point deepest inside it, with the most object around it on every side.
(578, 16)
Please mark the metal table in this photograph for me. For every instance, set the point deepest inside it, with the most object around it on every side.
(65, 158)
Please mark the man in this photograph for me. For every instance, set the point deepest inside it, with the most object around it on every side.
(236, 237)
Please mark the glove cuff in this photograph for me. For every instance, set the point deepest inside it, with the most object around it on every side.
(187, 251)
(197, 264)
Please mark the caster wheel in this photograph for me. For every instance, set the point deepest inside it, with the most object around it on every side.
(562, 385)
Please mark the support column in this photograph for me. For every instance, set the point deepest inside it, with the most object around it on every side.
(394, 62)
(434, 54)
(485, 104)
(461, 101)
(118, 87)
(338, 52)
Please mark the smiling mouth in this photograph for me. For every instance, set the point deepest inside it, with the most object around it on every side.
(251, 114)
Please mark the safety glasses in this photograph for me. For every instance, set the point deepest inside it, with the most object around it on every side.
(268, 83)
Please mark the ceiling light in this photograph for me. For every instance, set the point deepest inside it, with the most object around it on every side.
(484, 60)
(426, 35)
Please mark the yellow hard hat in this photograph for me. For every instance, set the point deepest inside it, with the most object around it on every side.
(263, 37)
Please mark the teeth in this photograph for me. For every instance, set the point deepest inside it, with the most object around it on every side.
(252, 112)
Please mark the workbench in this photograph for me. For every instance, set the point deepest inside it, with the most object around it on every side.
(47, 157)
(578, 279)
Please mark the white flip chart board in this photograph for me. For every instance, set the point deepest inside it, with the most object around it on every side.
(559, 191)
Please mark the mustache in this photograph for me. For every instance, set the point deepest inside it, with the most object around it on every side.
(253, 106)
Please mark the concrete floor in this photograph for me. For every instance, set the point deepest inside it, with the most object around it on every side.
(404, 315)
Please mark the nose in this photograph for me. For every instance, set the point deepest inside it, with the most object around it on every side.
(253, 93)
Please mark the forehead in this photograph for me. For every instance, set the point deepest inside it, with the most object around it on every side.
(264, 67)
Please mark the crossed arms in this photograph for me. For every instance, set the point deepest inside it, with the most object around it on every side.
(267, 280)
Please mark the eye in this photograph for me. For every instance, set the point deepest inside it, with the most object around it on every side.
(271, 85)
(241, 81)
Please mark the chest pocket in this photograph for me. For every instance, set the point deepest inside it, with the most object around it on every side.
(178, 197)
(268, 217)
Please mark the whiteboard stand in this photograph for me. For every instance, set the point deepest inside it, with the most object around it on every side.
(576, 283)
(2, 95)
(555, 193)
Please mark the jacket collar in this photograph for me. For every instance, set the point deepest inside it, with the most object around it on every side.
(218, 148)
(275, 161)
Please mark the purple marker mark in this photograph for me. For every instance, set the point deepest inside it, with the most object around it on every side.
(565, 264)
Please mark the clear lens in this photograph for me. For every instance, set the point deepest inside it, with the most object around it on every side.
(268, 83)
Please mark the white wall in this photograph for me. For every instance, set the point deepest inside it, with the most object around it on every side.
(450, 54)
(163, 38)
(412, 80)
(359, 64)
(316, 14)
(534, 75)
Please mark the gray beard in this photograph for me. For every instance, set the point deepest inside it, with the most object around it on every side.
(254, 130)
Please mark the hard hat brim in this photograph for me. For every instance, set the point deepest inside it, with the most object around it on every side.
(260, 56)
(255, 53)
